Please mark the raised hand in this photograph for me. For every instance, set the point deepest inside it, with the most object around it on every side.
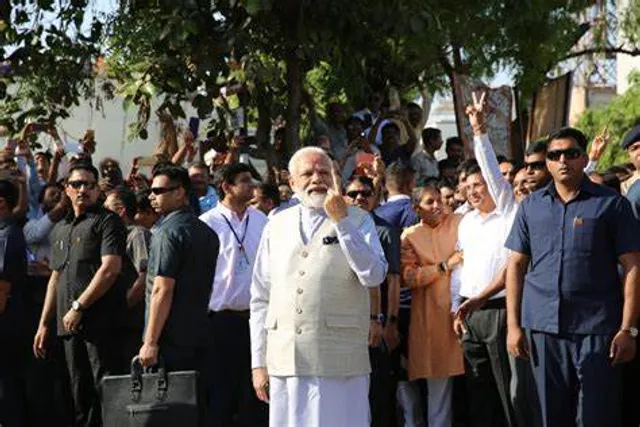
(476, 115)
(334, 204)
(599, 144)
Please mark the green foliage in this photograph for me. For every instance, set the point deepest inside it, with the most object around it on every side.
(620, 115)
(46, 59)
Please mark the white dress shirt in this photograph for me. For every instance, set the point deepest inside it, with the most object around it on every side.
(482, 238)
(232, 281)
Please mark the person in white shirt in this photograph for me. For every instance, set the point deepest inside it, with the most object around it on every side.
(239, 228)
(481, 319)
(310, 303)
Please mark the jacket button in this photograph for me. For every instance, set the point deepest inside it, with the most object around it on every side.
(300, 273)
(299, 310)
(305, 254)
(300, 290)
(298, 331)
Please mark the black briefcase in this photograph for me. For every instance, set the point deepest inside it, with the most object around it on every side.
(146, 398)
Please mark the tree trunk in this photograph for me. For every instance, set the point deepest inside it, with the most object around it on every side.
(294, 101)
(263, 132)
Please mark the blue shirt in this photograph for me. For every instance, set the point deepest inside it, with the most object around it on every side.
(572, 285)
(398, 213)
(634, 197)
(209, 200)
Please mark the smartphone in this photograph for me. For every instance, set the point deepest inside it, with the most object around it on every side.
(194, 125)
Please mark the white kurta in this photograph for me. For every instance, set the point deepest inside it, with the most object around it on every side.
(311, 401)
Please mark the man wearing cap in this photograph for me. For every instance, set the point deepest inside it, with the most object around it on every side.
(631, 143)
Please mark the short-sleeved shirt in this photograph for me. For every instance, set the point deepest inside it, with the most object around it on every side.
(573, 284)
(13, 269)
(185, 249)
(78, 245)
(138, 240)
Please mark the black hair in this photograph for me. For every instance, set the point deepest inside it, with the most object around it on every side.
(502, 159)
(199, 165)
(84, 166)
(454, 140)
(418, 192)
(46, 154)
(44, 189)
(231, 172)
(413, 105)
(390, 124)
(465, 165)
(539, 147)
(354, 118)
(442, 183)
(429, 134)
(106, 160)
(362, 179)
(128, 199)
(447, 164)
(569, 133)
(142, 200)
(617, 169)
(176, 174)
(227, 174)
(9, 192)
(399, 175)
(612, 181)
(270, 191)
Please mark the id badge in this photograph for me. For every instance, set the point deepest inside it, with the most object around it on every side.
(242, 265)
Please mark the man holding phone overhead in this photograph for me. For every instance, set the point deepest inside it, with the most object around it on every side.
(580, 318)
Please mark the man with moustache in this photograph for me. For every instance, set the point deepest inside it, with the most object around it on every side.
(581, 318)
(85, 292)
(239, 227)
(310, 303)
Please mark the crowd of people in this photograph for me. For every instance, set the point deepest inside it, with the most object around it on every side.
(360, 282)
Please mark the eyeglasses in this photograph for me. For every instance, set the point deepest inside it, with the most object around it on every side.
(569, 154)
(76, 185)
(364, 193)
(539, 165)
(156, 191)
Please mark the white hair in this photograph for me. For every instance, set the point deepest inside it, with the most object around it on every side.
(295, 159)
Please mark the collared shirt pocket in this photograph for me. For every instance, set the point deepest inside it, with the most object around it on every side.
(583, 234)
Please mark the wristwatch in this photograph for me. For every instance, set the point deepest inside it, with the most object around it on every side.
(76, 306)
(633, 332)
(377, 318)
(443, 267)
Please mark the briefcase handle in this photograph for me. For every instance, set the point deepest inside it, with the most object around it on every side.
(136, 379)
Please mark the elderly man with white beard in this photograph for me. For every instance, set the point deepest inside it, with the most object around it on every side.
(310, 304)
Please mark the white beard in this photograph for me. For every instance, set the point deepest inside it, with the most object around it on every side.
(312, 201)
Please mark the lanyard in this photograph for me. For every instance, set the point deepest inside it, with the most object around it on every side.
(240, 241)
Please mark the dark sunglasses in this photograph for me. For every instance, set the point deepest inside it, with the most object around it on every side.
(569, 154)
(364, 193)
(156, 191)
(539, 165)
(76, 185)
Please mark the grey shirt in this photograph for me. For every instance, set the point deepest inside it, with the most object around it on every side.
(185, 249)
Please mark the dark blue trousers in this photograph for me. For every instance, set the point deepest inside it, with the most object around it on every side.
(576, 382)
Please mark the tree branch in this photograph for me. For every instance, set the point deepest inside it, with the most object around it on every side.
(619, 49)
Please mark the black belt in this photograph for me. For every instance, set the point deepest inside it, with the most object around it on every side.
(236, 313)
(492, 304)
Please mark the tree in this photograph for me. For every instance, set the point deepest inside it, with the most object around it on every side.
(619, 116)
